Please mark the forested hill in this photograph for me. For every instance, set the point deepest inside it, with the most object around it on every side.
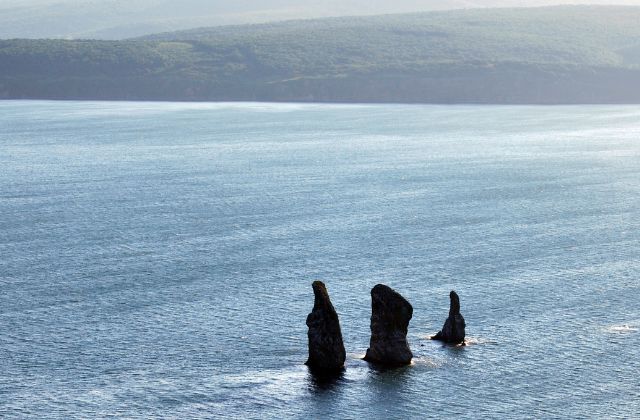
(568, 54)
(120, 19)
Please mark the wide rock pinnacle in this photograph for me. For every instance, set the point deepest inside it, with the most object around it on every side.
(390, 316)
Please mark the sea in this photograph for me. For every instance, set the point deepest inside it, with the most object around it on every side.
(156, 259)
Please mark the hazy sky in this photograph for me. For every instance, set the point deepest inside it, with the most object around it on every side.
(389, 3)
(114, 19)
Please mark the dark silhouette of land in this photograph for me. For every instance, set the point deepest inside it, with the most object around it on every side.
(551, 55)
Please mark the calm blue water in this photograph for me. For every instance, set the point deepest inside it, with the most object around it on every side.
(156, 260)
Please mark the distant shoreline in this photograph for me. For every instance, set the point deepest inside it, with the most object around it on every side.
(355, 103)
(537, 56)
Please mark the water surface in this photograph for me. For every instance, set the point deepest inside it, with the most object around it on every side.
(156, 259)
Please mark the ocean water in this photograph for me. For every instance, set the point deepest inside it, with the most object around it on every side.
(156, 259)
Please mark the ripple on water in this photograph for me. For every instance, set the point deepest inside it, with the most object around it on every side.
(160, 265)
(622, 329)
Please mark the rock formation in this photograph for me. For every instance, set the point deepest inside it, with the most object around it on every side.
(390, 316)
(453, 330)
(326, 349)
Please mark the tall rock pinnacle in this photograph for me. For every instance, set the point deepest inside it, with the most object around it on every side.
(453, 329)
(326, 349)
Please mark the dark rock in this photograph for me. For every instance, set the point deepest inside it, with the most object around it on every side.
(453, 330)
(390, 316)
(326, 349)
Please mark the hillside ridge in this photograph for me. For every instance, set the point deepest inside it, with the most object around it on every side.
(562, 54)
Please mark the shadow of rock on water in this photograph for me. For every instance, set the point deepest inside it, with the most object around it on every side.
(454, 347)
(324, 381)
(390, 371)
(388, 386)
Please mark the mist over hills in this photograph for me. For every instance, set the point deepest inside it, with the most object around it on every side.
(567, 54)
(120, 19)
